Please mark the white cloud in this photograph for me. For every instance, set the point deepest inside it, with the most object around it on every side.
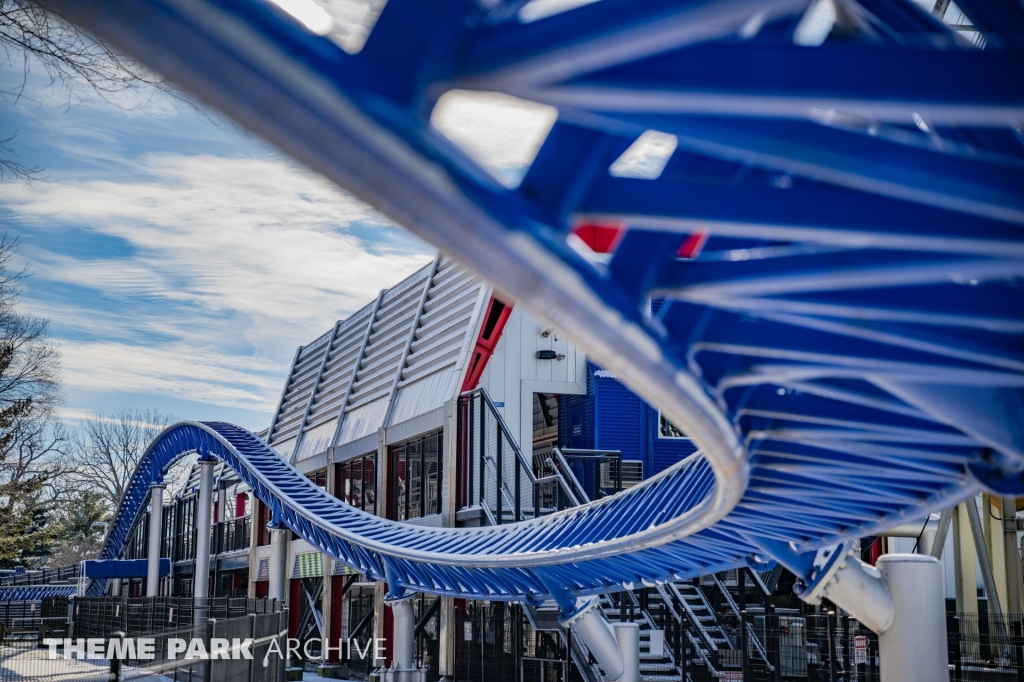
(500, 132)
(231, 263)
(179, 370)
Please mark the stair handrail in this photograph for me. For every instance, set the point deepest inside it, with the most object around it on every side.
(760, 583)
(705, 635)
(521, 461)
(563, 466)
(703, 656)
(773, 579)
(743, 623)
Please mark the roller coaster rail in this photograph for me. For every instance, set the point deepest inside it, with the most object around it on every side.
(824, 295)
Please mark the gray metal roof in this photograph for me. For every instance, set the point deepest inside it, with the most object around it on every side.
(399, 357)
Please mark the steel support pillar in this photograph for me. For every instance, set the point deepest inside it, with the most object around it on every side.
(902, 600)
(984, 561)
(403, 642)
(1011, 557)
(204, 510)
(627, 637)
(156, 506)
(913, 647)
(278, 559)
(945, 519)
(589, 624)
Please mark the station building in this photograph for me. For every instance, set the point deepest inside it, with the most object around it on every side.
(440, 403)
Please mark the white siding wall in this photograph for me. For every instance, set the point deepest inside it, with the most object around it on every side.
(514, 373)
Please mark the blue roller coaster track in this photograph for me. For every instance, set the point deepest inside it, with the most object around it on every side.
(846, 347)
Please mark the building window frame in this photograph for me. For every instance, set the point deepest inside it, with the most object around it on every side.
(669, 431)
(416, 473)
(364, 495)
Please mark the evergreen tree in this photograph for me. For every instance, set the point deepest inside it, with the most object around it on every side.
(30, 438)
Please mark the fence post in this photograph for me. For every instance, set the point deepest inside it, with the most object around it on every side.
(252, 635)
(519, 496)
(953, 637)
(743, 645)
(115, 663)
(499, 473)
(1018, 652)
(482, 493)
(847, 665)
(829, 632)
(681, 650)
(773, 640)
(208, 668)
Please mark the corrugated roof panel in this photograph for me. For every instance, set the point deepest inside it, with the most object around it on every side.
(385, 348)
(424, 395)
(285, 448)
(363, 420)
(315, 440)
(430, 371)
(410, 343)
(300, 387)
(330, 392)
(406, 284)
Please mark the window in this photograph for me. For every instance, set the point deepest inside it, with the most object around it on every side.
(357, 482)
(667, 429)
(416, 477)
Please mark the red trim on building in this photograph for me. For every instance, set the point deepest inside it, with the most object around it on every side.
(490, 332)
(337, 605)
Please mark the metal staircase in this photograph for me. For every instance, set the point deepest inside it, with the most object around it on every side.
(501, 486)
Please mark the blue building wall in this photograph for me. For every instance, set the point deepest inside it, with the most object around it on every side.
(612, 417)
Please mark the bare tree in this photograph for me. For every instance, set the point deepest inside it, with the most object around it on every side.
(31, 440)
(12, 169)
(76, 63)
(108, 448)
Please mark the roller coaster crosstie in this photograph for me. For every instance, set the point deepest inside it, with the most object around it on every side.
(815, 268)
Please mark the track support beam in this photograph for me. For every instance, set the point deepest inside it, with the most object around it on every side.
(278, 559)
(403, 646)
(901, 600)
(204, 509)
(913, 647)
(156, 506)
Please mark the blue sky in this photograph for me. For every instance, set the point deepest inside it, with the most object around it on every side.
(180, 261)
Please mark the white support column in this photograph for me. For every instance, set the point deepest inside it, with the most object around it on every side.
(590, 625)
(627, 636)
(278, 559)
(201, 572)
(913, 647)
(902, 600)
(403, 642)
(156, 507)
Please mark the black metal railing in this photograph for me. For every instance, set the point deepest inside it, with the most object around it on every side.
(233, 535)
(43, 576)
(25, 660)
(494, 476)
(985, 647)
(104, 616)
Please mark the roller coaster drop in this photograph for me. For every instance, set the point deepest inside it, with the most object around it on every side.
(844, 343)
